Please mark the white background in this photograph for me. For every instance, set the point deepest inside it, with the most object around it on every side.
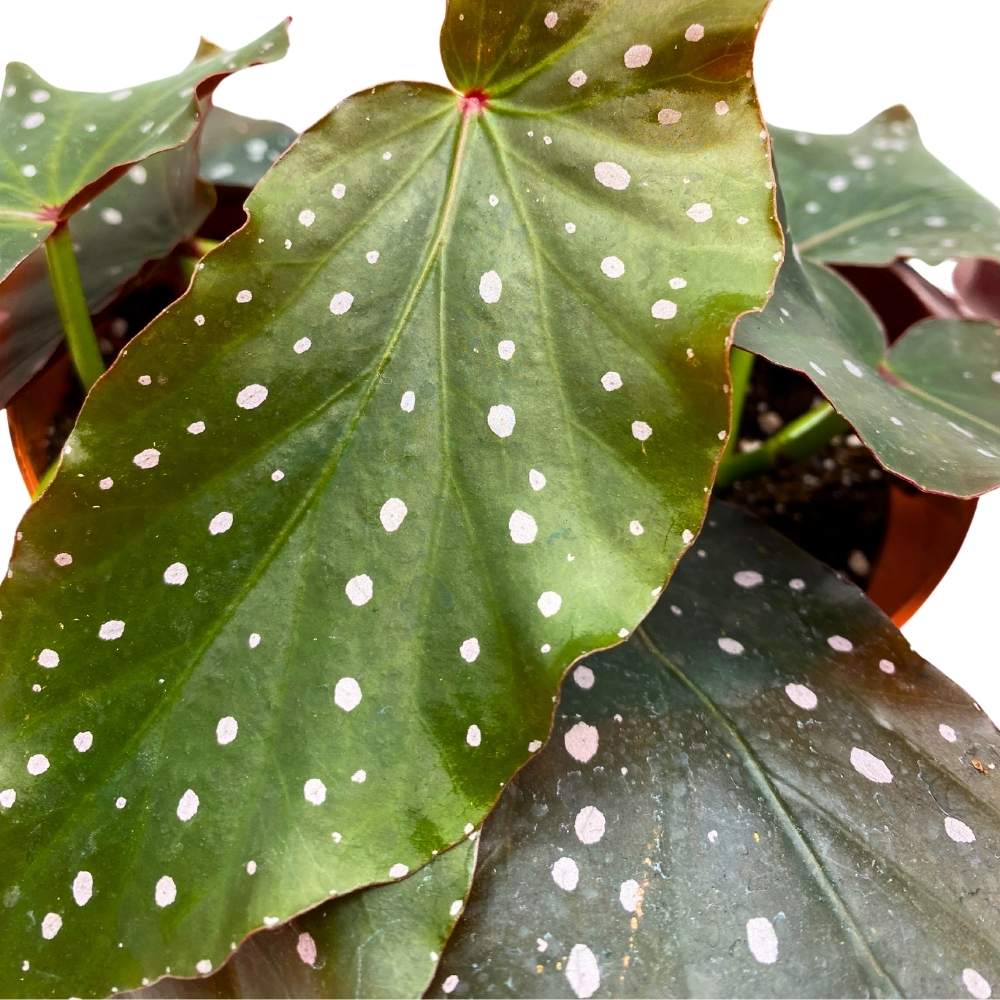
(822, 65)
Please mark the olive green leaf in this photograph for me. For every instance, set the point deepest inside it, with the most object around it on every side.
(928, 406)
(61, 147)
(237, 151)
(869, 198)
(384, 941)
(764, 793)
(437, 421)
(141, 217)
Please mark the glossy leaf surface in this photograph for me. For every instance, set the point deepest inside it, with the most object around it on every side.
(378, 942)
(928, 406)
(342, 516)
(141, 217)
(764, 793)
(869, 198)
(236, 150)
(63, 147)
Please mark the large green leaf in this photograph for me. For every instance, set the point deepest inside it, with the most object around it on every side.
(62, 147)
(928, 406)
(407, 440)
(139, 218)
(868, 198)
(379, 942)
(764, 793)
(237, 151)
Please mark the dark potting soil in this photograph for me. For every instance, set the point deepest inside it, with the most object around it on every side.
(834, 504)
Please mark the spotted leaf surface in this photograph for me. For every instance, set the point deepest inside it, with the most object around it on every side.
(63, 147)
(877, 194)
(764, 793)
(928, 406)
(437, 421)
(237, 151)
(869, 198)
(141, 217)
(379, 942)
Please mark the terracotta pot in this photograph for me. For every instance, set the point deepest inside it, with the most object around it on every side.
(922, 538)
(35, 413)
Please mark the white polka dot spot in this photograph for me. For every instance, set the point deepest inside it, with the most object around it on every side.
(869, 766)
(762, 941)
(175, 574)
(221, 523)
(566, 874)
(589, 825)
(501, 420)
(188, 805)
(314, 791)
(490, 287)
(226, 730)
(341, 303)
(392, 514)
(522, 527)
(612, 175)
(359, 589)
(347, 694)
(165, 892)
(637, 56)
(802, 696)
(582, 971)
(549, 603)
(581, 741)
(111, 630)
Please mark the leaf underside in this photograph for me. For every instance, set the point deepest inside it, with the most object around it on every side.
(62, 147)
(342, 516)
(869, 198)
(378, 942)
(790, 816)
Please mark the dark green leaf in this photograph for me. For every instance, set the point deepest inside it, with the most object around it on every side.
(928, 406)
(877, 194)
(139, 218)
(237, 151)
(379, 942)
(62, 147)
(764, 793)
(404, 441)
(868, 198)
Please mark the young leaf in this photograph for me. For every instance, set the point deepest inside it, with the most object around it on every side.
(438, 420)
(928, 406)
(237, 151)
(868, 198)
(139, 218)
(64, 147)
(764, 793)
(378, 942)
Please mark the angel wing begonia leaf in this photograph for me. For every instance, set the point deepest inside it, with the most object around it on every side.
(383, 941)
(766, 792)
(869, 198)
(141, 217)
(437, 421)
(236, 150)
(928, 405)
(62, 147)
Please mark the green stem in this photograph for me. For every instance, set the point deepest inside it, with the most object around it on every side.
(796, 440)
(72, 304)
(740, 370)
